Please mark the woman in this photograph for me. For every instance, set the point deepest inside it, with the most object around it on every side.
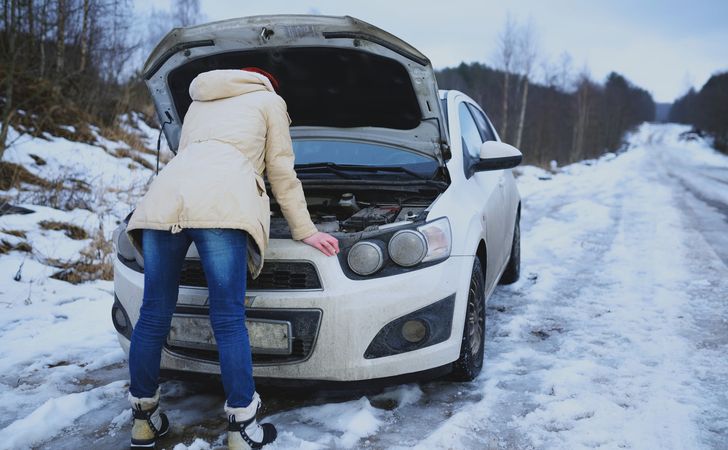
(212, 193)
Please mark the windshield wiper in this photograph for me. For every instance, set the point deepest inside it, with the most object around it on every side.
(340, 168)
(318, 167)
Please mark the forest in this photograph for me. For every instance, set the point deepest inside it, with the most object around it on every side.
(71, 63)
(706, 110)
(555, 124)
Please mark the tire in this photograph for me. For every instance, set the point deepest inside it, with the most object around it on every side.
(472, 346)
(513, 268)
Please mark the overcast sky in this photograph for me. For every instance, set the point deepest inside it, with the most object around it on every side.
(663, 46)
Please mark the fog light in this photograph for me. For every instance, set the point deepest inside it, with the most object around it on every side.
(119, 319)
(414, 330)
(123, 245)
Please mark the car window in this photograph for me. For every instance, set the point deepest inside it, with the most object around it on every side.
(469, 132)
(486, 132)
(312, 151)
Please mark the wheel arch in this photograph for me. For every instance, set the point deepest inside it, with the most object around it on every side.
(482, 254)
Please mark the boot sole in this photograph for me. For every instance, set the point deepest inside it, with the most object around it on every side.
(153, 444)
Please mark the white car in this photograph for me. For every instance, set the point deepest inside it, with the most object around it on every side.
(414, 182)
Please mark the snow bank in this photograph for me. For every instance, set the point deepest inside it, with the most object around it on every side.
(56, 335)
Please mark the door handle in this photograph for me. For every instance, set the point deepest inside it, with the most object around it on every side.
(501, 182)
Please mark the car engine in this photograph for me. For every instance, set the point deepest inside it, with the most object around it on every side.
(345, 213)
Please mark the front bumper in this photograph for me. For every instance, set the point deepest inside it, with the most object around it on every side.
(352, 312)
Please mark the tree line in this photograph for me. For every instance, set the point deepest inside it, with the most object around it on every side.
(75, 62)
(706, 110)
(553, 123)
(61, 60)
(566, 117)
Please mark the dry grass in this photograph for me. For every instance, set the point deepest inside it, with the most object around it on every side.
(6, 247)
(17, 233)
(126, 153)
(65, 192)
(71, 230)
(94, 263)
(12, 175)
(133, 140)
(49, 110)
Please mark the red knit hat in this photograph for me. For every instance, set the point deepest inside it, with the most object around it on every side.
(270, 77)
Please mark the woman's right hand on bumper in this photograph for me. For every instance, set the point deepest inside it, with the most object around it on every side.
(326, 243)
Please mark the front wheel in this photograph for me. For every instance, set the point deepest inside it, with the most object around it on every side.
(472, 347)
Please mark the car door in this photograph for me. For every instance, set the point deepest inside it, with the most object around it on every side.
(507, 213)
(486, 185)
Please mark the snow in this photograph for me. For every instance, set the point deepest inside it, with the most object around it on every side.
(621, 373)
(54, 415)
(347, 422)
(57, 336)
(51, 243)
(615, 336)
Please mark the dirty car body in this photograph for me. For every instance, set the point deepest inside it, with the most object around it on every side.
(417, 191)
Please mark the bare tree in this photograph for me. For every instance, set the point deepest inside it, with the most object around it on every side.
(565, 77)
(10, 54)
(186, 12)
(158, 24)
(526, 60)
(43, 19)
(61, 15)
(84, 35)
(558, 74)
(505, 60)
(182, 13)
(582, 105)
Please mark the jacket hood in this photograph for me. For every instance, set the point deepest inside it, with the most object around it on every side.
(217, 84)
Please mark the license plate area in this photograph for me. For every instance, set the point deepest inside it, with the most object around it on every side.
(267, 337)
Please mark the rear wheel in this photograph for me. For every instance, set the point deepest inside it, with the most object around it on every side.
(472, 346)
(513, 269)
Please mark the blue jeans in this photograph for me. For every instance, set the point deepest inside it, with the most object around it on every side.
(223, 253)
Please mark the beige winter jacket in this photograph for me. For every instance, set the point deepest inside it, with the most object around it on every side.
(235, 130)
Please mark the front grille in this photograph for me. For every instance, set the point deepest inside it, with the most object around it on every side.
(304, 327)
(275, 275)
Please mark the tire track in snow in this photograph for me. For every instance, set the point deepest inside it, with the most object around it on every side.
(619, 371)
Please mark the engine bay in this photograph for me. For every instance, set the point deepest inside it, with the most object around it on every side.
(352, 212)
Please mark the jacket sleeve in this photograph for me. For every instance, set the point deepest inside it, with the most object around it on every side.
(184, 138)
(284, 183)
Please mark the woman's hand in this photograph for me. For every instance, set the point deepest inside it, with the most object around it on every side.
(327, 244)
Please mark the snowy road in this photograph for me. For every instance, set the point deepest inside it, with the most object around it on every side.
(615, 337)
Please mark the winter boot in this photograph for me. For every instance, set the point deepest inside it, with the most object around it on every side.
(244, 431)
(149, 424)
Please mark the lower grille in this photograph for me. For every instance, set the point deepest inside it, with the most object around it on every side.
(304, 327)
(275, 275)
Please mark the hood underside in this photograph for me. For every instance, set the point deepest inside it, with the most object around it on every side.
(339, 76)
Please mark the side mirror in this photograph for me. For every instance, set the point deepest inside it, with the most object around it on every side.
(497, 156)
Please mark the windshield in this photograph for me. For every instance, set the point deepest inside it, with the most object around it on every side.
(351, 153)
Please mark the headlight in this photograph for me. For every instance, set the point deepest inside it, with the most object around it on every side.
(124, 247)
(439, 239)
(365, 257)
(407, 248)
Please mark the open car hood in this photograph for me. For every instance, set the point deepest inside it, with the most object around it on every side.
(340, 77)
